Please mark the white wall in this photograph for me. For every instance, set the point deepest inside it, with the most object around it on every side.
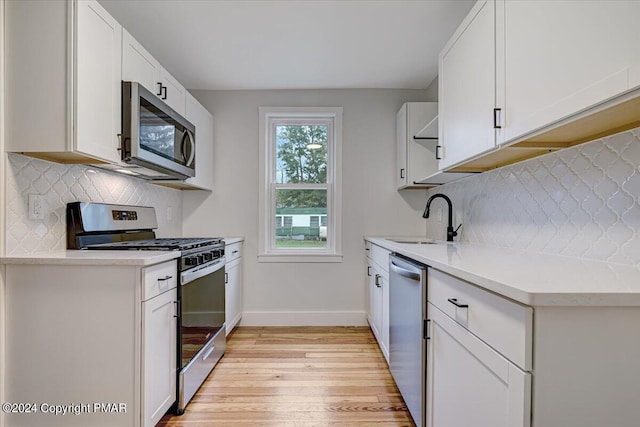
(325, 293)
(431, 92)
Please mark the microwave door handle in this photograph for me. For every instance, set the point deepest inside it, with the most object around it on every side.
(187, 135)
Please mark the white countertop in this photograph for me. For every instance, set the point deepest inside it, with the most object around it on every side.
(232, 240)
(530, 278)
(83, 257)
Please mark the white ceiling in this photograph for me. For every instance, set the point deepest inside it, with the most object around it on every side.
(303, 44)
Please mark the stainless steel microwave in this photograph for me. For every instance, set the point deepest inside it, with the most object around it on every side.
(156, 141)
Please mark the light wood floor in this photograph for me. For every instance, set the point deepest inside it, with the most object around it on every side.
(298, 377)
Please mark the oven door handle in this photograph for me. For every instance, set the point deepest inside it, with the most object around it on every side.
(203, 270)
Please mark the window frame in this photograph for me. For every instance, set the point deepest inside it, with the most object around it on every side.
(269, 117)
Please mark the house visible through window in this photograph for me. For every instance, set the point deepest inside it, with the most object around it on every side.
(300, 199)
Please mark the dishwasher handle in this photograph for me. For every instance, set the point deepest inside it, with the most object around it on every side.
(411, 274)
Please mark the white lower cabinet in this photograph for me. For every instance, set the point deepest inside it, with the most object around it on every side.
(158, 335)
(378, 295)
(469, 383)
(492, 363)
(374, 293)
(91, 334)
(233, 286)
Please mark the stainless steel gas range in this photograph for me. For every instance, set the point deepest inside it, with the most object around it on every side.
(201, 291)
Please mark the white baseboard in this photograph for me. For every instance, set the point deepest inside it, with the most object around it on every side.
(304, 318)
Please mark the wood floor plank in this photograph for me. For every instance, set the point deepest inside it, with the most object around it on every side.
(298, 377)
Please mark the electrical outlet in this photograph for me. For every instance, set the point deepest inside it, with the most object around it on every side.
(36, 207)
(439, 214)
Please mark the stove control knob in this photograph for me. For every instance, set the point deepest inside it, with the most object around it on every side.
(207, 256)
(191, 260)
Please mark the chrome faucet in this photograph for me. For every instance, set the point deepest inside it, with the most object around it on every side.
(450, 231)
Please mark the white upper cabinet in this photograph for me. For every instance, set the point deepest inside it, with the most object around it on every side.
(203, 121)
(467, 88)
(564, 56)
(173, 93)
(98, 77)
(63, 73)
(416, 156)
(138, 65)
(540, 74)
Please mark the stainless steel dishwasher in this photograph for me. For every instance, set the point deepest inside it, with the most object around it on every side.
(407, 332)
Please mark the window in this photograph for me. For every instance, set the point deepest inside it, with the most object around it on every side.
(300, 194)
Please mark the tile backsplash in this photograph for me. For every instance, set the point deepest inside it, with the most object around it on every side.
(60, 184)
(581, 202)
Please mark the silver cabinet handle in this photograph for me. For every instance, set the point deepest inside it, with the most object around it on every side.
(162, 279)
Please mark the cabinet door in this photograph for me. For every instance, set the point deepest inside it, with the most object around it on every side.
(159, 356)
(233, 294)
(203, 121)
(401, 147)
(467, 87)
(564, 56)
(138, 65)
(174, 94)
(98, 76)
(468, 383)
(374, 287)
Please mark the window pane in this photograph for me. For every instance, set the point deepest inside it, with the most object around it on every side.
(301, 154)
(301, 209)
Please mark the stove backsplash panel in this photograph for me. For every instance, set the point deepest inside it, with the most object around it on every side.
(59, 184)
(581, 202)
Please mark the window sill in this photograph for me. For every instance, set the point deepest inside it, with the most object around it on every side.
(300, 258)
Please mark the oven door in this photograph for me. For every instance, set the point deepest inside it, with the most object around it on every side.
(202, 337)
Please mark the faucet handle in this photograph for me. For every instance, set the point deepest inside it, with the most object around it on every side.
(455, 232)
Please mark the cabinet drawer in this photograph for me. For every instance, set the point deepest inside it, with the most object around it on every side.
(380, 256)
(159, 278)
(504, 325)
(232, 252)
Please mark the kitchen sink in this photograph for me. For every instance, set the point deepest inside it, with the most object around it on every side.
(417, 241)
